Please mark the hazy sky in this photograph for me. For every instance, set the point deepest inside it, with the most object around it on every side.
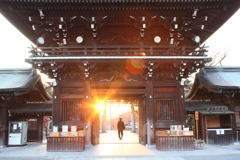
(227, 38)
(14, 46)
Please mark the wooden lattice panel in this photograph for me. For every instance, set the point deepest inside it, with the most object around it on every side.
(71, 110)
(165, 109)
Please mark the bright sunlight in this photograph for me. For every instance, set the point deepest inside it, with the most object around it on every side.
(114, 109)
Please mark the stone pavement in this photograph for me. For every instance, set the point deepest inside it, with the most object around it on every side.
(111, 148)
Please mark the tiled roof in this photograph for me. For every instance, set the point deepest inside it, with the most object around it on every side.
(25, 83)
(215, 80)
(17, 79)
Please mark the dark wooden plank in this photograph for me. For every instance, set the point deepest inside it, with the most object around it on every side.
(71, 96)
(225, 138)
(69, 144)
(165, 95)
(165, 89)
(72, 90)
(70, 83)
(175, 143)
(119, 91)
(137, 84)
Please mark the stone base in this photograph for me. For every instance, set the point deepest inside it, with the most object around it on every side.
(236, 143)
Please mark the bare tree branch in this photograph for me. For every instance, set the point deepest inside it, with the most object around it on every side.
(218, 57)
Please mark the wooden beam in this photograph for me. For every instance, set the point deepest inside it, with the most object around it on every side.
(122, 84)
(77, 96)
(67, 83)
(118, 91)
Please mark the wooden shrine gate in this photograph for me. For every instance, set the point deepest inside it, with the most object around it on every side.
(159, 105)
(120, 49)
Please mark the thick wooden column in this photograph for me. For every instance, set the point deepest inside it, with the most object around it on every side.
(95, 128)
(133, 118)
(56, 104)
(182, 110)
(231, 106)
(40, 129)
(111, 123)
(233, 125)
(104, 118)
(3, 126)
(204, 130)
(149, 112)
(5, 104)
(142, 120)
(88, 117)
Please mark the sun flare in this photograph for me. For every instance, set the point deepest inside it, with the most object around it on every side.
(100, 106)
(113, 109)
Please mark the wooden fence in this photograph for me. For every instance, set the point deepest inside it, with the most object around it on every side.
(66, 144)
(175, 142)
(225, 138)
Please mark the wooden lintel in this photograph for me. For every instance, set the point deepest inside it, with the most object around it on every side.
(72, 90)
(71, 96)
(166, 83)
(165, 95)
(118, 84)
(118, 91)
(72, 84)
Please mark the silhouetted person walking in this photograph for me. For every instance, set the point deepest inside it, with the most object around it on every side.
(120, 127)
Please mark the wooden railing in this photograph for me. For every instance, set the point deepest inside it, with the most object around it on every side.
(116, 51)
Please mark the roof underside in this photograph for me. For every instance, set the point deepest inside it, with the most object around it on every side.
(196, 105)
(116, 38)
(32, 109)
(102, 22)
(203, 106)
(215, 80)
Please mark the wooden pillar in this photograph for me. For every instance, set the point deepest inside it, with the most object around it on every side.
(56, 105)
(205, 131)
(182, 109)
(233, 117)
(40, 129)
(88, 137)
(3, 126)
(95, 129)
(5, 105)
(142, 121)
(233, 125)
(110, 112)
(133, 118)
(149, 112)
(88, 117)
(104, 118)
(201, 117)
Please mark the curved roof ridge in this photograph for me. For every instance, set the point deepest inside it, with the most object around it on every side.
(215, 80)
(23, 82)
